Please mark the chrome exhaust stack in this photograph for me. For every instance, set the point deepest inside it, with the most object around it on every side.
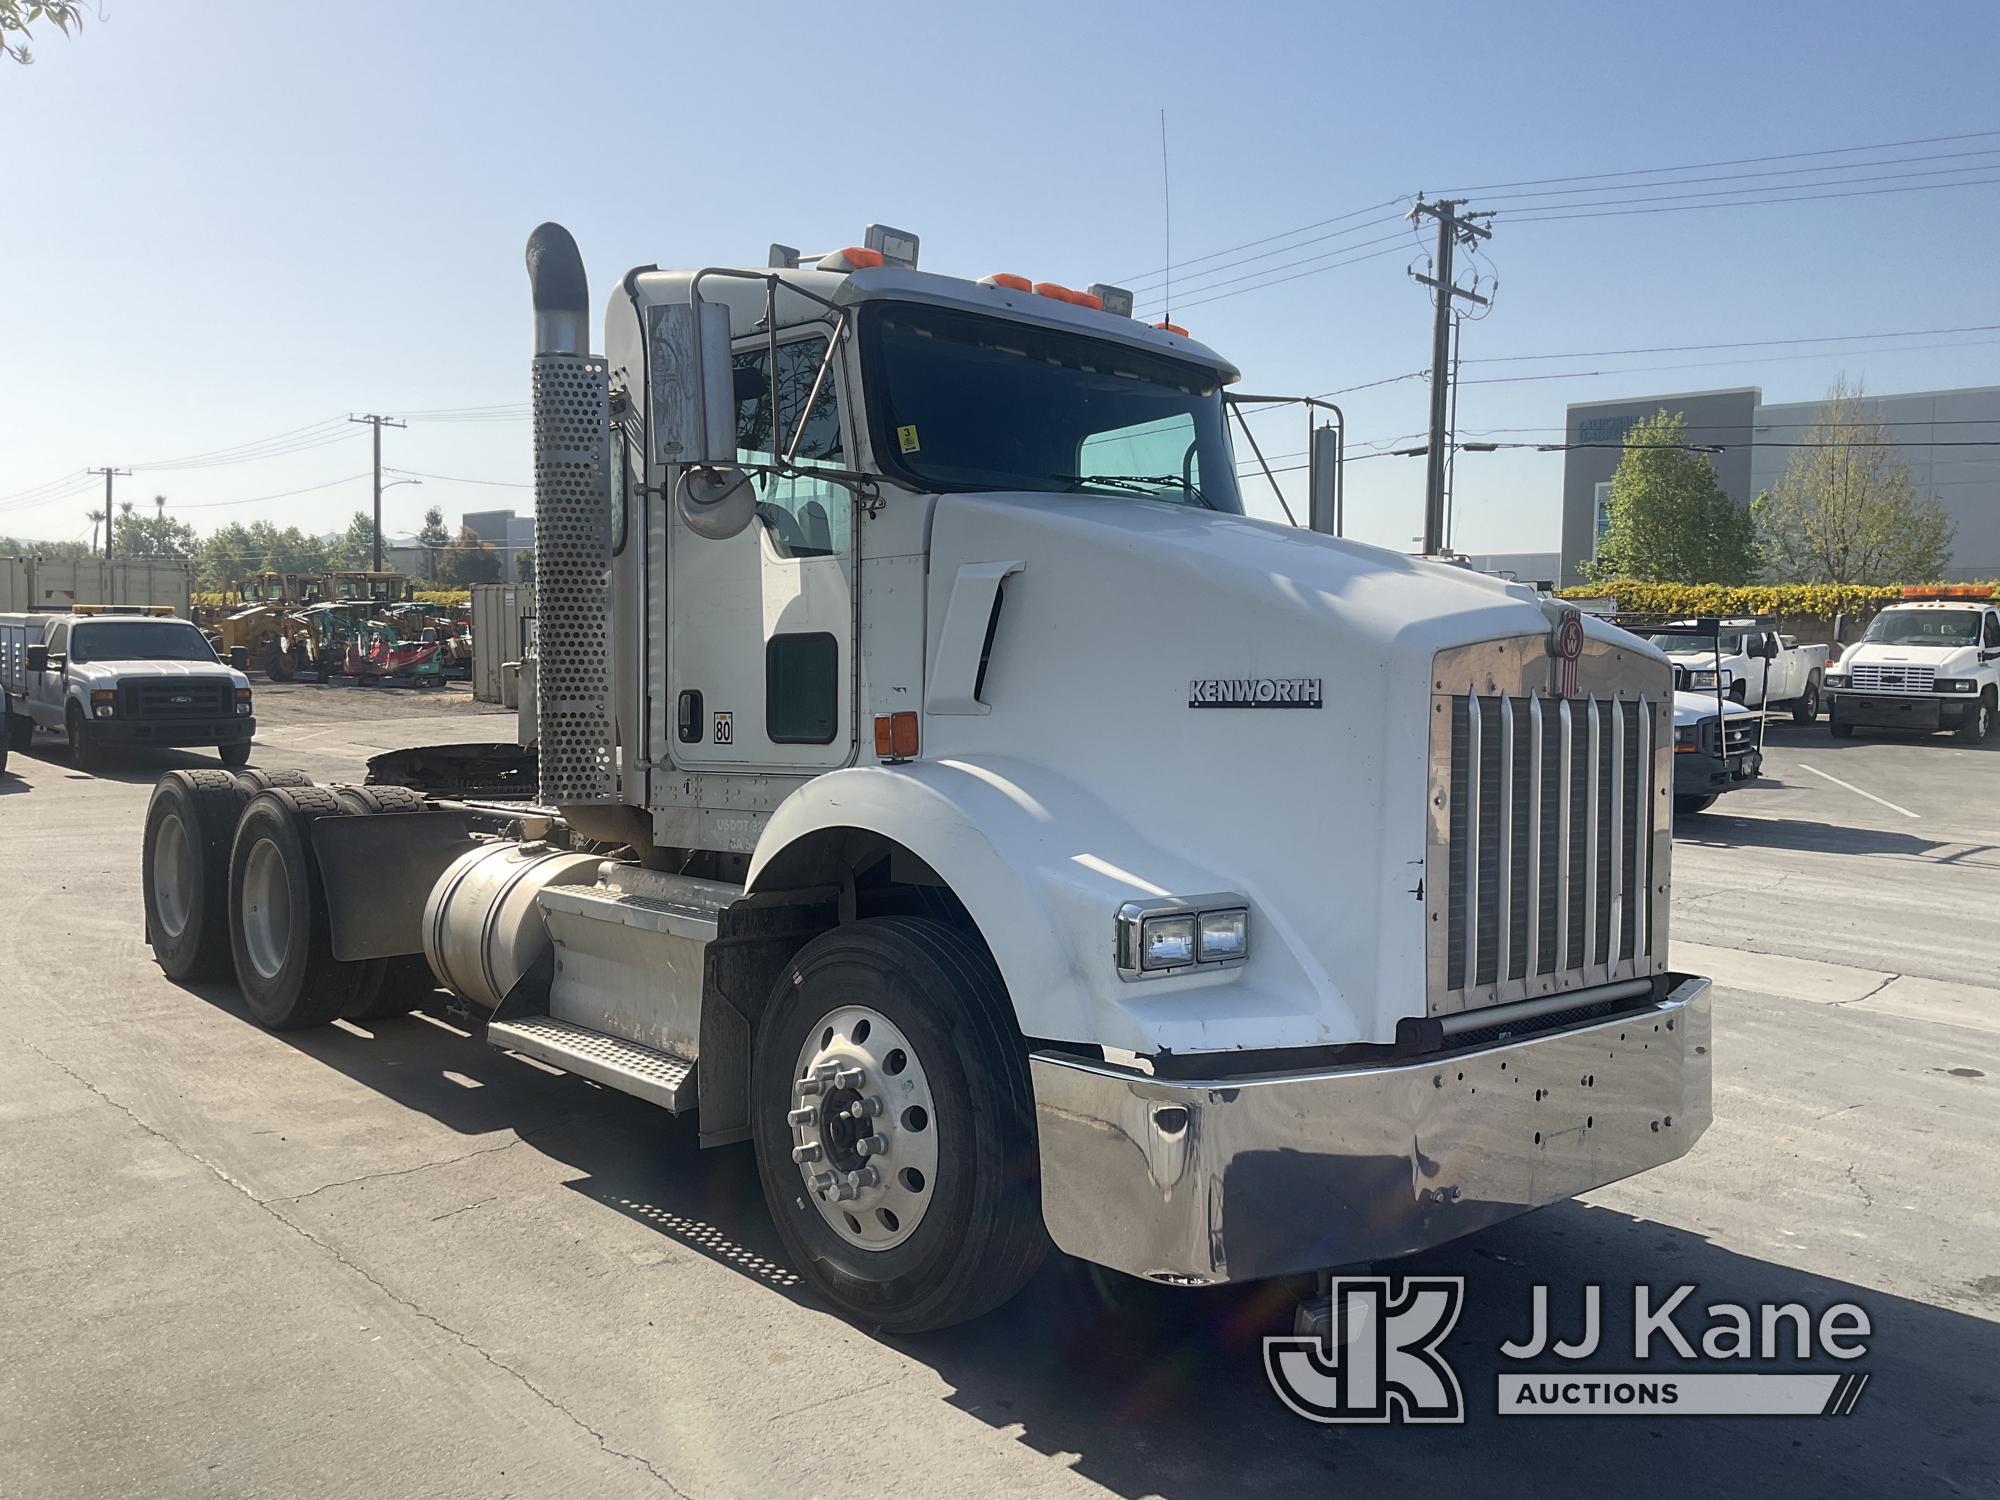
(572, 421)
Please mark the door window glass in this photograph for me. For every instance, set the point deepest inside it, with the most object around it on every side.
(805, 516)
(801, 688)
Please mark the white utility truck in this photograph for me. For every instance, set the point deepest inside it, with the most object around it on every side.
(1758, 667)
(1930, 662)
(132, 678)
(946, 787)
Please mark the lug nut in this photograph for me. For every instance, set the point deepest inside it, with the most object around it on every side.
(827, 1070)
(866, 1177)
(872, 1145)
(809, 1087)
(848, 1078)
(805, 1114)
(808, 1152)
(821, 1181)
(864, 1109)
(843, 1191)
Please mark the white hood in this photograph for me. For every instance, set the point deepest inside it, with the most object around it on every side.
(1696, 708)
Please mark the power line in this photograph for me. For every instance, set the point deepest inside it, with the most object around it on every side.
(1741, 161)
(1703, 364)
(511, 484)
(1818, 338)
(1529, 215)
(1295, 276)
(1604, 201)
(1133, 281)
(1286, 266)
(281, 495)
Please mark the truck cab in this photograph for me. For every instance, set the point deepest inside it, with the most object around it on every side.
(1756, 666)
(948, 788)
(1927, 663)
(118, 678)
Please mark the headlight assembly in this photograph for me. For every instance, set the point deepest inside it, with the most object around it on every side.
(1171, 935)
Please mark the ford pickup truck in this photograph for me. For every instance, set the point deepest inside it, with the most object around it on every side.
(121, 680)
(1759, 667)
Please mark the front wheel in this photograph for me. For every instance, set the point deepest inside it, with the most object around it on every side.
(20, 731)
(1841, 731)
(1977, 723)
(83, 751)
(1694, 804)
(894, 1125)
(237, 754)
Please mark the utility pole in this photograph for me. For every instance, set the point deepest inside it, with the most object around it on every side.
(378, 423)
(1452, 230)
(109, 475)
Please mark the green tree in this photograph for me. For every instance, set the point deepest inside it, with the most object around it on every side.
(1670, 520)
(236, 550)
(469, 561)
(53, 551)
(1847, 510)
(16, 16)
(356, 547)
(434, 539)
(155, 536)
(524, 565)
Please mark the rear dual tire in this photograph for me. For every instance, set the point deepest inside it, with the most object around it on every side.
(184, 870)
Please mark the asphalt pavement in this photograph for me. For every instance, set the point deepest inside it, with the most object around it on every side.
(391, 1261)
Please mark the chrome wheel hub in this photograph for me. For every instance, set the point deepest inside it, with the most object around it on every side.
(173, 876)
(864, 1132)
(267, 908)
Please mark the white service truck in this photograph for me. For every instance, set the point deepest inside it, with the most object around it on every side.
(1759, 667)
(1716, 749)
(1929, 662)
(126, 678)
(947, 788)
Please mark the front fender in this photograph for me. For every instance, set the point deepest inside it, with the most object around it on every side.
(1043, 869)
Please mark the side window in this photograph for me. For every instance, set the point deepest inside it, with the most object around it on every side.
(59, 640)
(801, 688)
(806, 517)
(1992, 629)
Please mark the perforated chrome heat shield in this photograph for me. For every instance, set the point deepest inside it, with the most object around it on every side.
(572, 579)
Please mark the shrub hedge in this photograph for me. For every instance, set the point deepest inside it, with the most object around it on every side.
(1811, 600)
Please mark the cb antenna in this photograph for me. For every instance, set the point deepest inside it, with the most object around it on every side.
(1167, 204)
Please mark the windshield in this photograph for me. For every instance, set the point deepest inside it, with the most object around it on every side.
(137, 640)
(1732, 642)
(965, 402)
(1924, 627)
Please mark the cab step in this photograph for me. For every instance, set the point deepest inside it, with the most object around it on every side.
(631, 1067)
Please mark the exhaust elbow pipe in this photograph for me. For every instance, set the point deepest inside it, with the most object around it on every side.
(561, 292)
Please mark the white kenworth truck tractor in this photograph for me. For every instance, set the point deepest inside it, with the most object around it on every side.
(947, 788)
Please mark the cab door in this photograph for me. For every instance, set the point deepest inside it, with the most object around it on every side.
(761, 669)
(46, 690)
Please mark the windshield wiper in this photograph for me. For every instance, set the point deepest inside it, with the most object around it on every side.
(1138, 483)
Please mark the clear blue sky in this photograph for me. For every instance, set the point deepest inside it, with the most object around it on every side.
(221, 222)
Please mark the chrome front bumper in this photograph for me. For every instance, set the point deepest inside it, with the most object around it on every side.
(1235, 1180)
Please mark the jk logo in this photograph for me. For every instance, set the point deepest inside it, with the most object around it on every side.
(1379, 1360)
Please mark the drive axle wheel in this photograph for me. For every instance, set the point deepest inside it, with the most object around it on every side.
(184, 872)
(278, 931)
(894, 1125)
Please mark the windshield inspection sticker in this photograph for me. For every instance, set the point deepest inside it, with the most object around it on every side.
(906, 438)
(1376, 1357)
(1255, 692)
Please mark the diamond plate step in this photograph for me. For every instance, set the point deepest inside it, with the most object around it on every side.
(631, 1068)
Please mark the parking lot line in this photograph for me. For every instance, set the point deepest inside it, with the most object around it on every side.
(1857, 790)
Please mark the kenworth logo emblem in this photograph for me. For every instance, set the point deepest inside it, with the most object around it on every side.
(1255, 692)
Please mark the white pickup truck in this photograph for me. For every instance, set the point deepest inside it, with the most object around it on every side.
(1928, 663)
(120, 679)
(1760, 668)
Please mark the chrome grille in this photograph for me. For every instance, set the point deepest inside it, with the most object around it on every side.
(1738, 735)
(1873, 677)
(1549, 854)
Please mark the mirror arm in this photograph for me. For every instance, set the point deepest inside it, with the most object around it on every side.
(1236, 410)
(819, 379)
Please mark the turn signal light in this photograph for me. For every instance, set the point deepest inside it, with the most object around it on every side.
(896, 736)
(1173, 328)
(853, 258)
(1011, 282)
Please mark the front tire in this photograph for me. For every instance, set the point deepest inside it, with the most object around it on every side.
(1978, 721)
(20, 731)
(1697, 804)
(894, 1125)
(84, 753)
(237, 754)
(1841, 731)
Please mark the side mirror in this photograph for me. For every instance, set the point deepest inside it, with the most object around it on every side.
(38, 658)
(694, 395)
(1768, 648)
(239, 658)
